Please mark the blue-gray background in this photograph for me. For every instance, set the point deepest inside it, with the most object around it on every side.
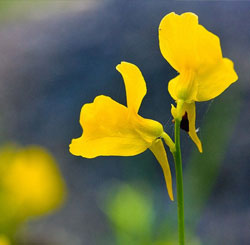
(58, 55)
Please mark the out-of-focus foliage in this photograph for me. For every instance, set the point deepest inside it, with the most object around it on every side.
(30, 186)
(132, 213)
(11, 10)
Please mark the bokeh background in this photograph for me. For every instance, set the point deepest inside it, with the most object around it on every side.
(58, 55)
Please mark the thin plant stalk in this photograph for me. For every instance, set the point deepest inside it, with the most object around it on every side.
(179, 184)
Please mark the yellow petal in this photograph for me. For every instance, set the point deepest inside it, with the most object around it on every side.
(184, 86)
(110, 129)
(159, 151)
(190, 109)
(187, 45)
(172, 87)
(213, 82)
(174, 112)
(134, 83)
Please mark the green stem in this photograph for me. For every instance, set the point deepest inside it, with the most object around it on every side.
(179, 183)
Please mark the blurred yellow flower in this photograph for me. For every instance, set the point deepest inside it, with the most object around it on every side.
(110, 128)
(195, 53)
(30, 182)
(4, 240)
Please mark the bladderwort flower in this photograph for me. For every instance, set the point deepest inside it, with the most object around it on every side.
(195, 53)
(112, 129)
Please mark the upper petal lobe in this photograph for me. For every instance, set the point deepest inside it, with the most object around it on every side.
(134, 83)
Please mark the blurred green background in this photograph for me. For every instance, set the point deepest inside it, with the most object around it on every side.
(58, 55)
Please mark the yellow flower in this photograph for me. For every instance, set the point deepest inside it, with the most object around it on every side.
(195, 53)
(112, 129)
(30, 181)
